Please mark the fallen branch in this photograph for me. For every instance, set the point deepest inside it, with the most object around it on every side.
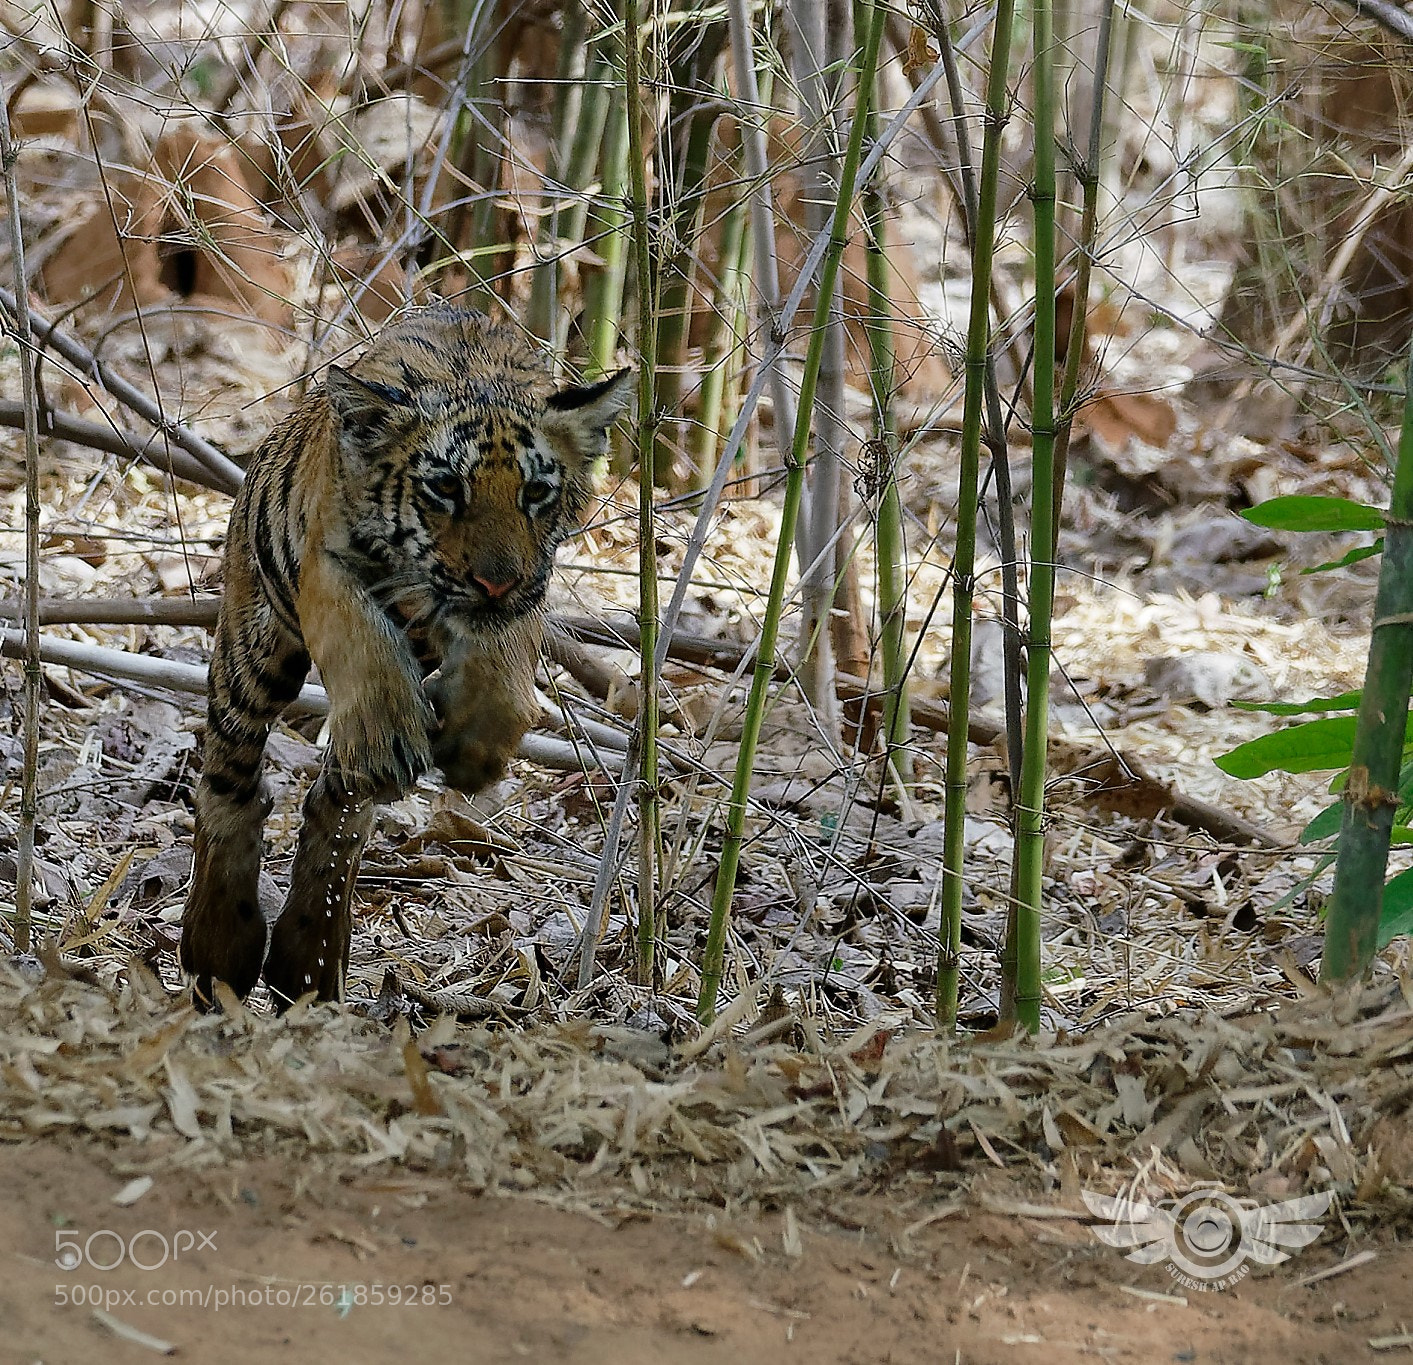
(1391, 16)
(173, 676)
(112, 441)
(1220, 824)
(223, 469)
(699, 649)
(727, 658)
(564, 632)
(593, 732)
(695, 649)
(120, 611)
(597, 676)
(122, 666)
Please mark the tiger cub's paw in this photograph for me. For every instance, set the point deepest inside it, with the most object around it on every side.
(470, 765)
(374, 759)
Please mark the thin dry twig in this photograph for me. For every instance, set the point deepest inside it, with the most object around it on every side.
(29, 796)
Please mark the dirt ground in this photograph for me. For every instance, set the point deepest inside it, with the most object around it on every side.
(505, 1279)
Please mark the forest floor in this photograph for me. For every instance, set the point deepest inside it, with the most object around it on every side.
(577, 1174)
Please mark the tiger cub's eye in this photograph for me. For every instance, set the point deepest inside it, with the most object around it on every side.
(447, 487)
(538, 491)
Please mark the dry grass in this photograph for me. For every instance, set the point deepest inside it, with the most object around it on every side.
(600, 1115)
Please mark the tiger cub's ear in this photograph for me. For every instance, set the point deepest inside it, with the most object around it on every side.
(370, 414)
(577, 418)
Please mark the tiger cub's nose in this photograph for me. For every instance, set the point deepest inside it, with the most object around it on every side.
(493, 588)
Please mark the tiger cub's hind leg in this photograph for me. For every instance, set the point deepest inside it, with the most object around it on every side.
(377, 749)
(255, 671)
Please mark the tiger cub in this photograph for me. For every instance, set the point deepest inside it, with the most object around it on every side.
(398, 529)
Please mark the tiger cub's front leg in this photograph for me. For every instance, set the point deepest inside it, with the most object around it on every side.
(484, 697)
(378, 747)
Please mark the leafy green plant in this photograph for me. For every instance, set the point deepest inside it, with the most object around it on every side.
(1366, 736)
(1327, 744)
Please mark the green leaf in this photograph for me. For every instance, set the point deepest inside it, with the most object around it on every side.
(1346, 701)
(1313, 745)
(1301, 513)
(1397, 915)
(1353, 557)
(1309, 747)
(1325, 825)
(1405, 783)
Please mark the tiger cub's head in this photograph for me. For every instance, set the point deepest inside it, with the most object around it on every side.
(461, 466)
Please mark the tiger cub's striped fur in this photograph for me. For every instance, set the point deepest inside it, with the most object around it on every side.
(398, 529)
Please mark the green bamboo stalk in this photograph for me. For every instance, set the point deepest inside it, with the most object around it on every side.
(888, 529)
(996, 440)
(1371, 791)
(581, 170)
(690, 75)
(572, 92)
(1021, 992)
(649, 797)
(714, 954)
(603, 291)
(725, 324)
(1089, 176)
(964, 564)
(472, 227)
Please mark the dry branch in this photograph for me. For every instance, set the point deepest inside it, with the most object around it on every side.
(699, 649)
(114, 441)
(728, 658)
(173, 676)
(47, 335)
(1392, 17)
(120, 611)
(598, 677)
(123, 666)
(549, 753)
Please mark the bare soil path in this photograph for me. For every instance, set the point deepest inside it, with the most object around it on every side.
(508, 1279)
